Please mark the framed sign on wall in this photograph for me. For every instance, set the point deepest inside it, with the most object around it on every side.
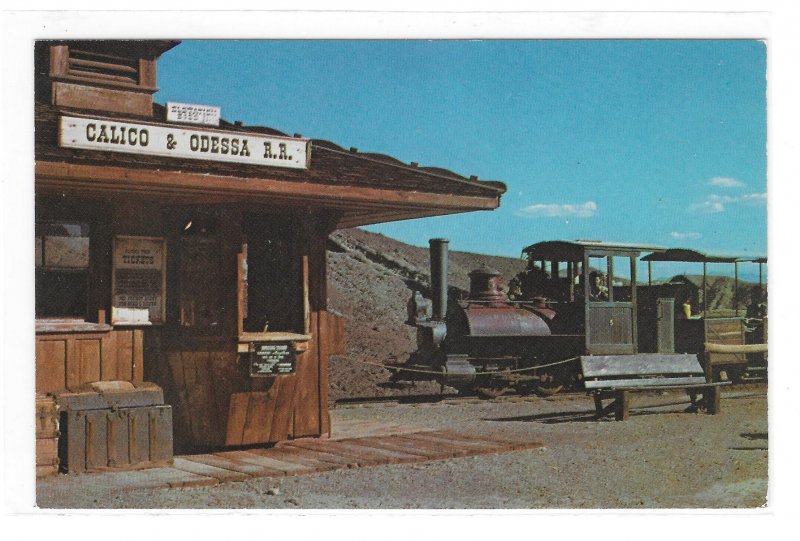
(138, 281)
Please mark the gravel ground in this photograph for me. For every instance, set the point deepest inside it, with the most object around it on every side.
(660, 458)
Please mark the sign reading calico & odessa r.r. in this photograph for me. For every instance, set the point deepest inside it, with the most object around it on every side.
(179, 142)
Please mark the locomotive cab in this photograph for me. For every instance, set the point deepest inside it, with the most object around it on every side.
(591, 286)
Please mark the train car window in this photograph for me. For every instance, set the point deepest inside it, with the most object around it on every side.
(62, 269)
(621, 282)
(597, 279)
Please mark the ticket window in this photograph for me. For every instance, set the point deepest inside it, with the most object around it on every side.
(62, 269)
(273, 276)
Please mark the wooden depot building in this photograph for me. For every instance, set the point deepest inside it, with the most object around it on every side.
(180, 263)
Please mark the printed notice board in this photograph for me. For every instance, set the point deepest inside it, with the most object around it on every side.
(272, 359)
(138, 281)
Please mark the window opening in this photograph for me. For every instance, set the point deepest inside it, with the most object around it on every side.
(62, 269)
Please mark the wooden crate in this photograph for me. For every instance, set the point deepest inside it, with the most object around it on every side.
(46, 436)
(121, 438)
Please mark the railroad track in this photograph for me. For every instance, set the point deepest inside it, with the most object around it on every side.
(444, 399)
(453, 398)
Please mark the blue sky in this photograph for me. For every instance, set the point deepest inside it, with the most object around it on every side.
(660, 142)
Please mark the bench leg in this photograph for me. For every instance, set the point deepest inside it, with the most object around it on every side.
(711, 398)
(598, 406)
(621, 405)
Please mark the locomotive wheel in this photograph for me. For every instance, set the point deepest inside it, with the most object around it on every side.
(548, 385)
(492, 392)
(548, 389)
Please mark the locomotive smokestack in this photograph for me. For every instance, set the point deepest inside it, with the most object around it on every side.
(439, 277)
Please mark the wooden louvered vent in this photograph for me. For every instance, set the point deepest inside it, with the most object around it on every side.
(114, 76)
(103, 67)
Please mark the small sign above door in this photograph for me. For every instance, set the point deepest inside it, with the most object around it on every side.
(190, 113)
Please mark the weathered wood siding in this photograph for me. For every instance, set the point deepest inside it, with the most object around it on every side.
(67, 361)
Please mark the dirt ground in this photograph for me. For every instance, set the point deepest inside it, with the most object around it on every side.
(660, 458)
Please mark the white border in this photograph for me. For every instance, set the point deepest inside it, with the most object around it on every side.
(775, 21)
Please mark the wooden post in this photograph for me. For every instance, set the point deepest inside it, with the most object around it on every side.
(736, 287)
(621, 405)
(598, 405)
(705, 298)
(711, 397)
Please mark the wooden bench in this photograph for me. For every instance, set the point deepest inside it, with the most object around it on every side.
(617, 376)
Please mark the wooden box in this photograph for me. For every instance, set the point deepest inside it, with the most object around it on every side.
(116, 438)
(46, 436)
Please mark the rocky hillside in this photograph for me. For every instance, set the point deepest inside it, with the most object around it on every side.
(371, 277)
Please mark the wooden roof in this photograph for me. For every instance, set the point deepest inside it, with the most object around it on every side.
(564, 250)
(689, 255)
(357, 188)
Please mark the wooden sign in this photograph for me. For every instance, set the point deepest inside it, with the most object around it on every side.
(193, 114)
(178, 142)
(272, 359)
(138, 281)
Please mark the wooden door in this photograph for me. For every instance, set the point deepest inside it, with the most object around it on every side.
(665, 325)
(609, 329)
(610, 309)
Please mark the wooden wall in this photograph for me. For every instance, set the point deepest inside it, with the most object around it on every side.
(215, 401)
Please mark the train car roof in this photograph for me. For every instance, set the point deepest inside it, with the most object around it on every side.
(575, 249)
(689, 255)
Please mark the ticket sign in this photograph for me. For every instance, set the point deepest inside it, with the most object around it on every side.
(272, 359)
(183, 142)
(138, 281)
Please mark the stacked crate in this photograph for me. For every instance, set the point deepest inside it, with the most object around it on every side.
(111, 425)
(46, 436)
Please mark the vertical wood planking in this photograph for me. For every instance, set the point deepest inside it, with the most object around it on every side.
(137, 356)
(51, 365)
(258, 420)
(124, 355)
(322, 371)
(182, 411)
(109, 369)
(282, 428)
(188, 362)
(88, 359)
(306, 406)
(237, 416)
(203, 406)
(73, 365)
(220, 387)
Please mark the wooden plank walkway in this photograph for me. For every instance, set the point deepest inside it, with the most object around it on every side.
(357, 445)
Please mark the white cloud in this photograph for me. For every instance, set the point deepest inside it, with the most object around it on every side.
(726, 182)
(555, 210)
(713, 203)
(691, 235)
(717, 203)
(755, 199)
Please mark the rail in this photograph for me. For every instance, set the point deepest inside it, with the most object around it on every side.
(439, 373)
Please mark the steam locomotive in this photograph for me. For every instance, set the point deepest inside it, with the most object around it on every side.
(575, 298)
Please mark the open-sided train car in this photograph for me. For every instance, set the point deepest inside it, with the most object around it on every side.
(729, 336)
(576, 298)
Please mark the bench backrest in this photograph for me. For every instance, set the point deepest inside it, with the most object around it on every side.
(641, 370)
